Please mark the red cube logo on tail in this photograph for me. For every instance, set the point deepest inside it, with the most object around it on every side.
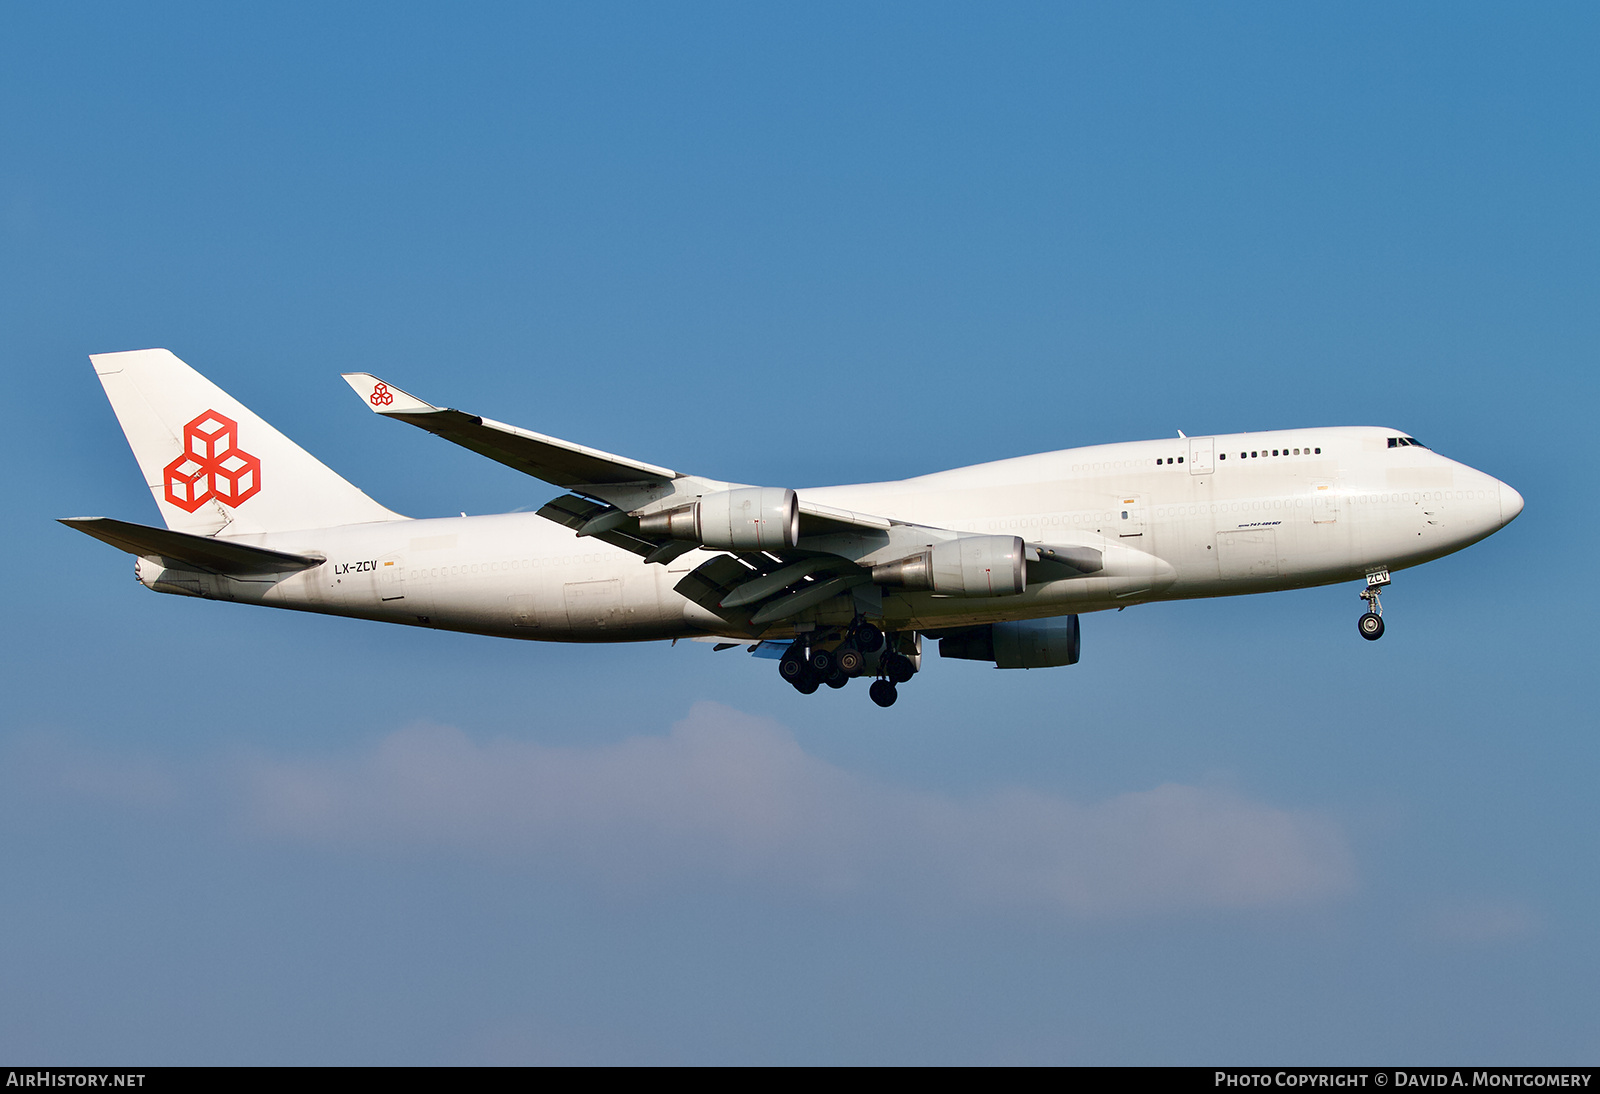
(212, 465)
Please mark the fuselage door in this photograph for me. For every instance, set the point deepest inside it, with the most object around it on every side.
(1201, 455)
(1324, 503)
(391, 578)
(1130, 515)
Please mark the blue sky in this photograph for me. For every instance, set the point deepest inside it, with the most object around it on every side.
(801, 247)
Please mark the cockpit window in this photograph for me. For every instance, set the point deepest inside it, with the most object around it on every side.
(1405, 442)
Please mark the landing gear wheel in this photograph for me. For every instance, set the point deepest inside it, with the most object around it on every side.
(850, 659)
(1371, 622)
(883, 693)
(868, 639)
(822, 663)
(793, 665)
(807, 684)
(897, 667)
(836, 680)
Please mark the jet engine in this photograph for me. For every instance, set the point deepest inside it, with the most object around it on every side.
(1021, 644)
(751, 518)
(970, 566)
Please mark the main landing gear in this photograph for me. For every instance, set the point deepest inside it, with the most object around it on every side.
(1371, 621)
(812, 661)
(897, 669)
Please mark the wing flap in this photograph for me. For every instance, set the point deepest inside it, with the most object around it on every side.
(709, 582)
(592, 518)
(217, 556)
(806, 597)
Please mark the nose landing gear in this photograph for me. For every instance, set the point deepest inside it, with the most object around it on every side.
(1371, 621)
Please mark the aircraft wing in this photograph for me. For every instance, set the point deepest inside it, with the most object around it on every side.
(619, 501)
(587, 471)
(555, 461)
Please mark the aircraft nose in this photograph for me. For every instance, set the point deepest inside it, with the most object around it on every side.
(1510, 504)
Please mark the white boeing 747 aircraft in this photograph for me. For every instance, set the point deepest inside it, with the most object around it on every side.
(995, 561)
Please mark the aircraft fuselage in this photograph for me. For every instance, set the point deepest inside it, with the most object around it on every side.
(1192, 517)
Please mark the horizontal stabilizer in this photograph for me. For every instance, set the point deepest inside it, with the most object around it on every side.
(555, 461)
(217, 556)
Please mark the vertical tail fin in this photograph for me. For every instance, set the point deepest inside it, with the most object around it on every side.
(211, 463)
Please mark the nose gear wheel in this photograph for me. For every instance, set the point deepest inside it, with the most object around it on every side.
(1371, 622)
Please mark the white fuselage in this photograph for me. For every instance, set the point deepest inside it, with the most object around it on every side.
(1192, 517)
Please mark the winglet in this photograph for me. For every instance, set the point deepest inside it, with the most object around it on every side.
(385, 398)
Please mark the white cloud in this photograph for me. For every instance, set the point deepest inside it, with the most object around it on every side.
(729, 795)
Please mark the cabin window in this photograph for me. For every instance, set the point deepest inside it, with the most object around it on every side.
(1180, 460)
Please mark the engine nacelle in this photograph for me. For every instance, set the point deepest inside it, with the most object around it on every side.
(751, 518)
(971, 566)
(1023, 644)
